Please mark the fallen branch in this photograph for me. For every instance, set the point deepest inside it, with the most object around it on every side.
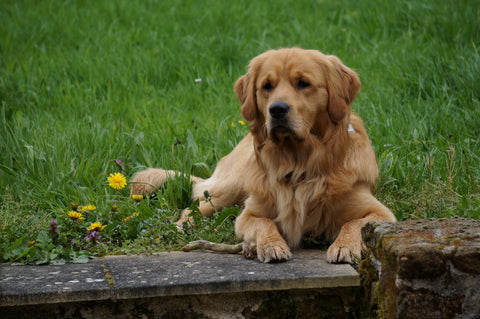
(205, 244)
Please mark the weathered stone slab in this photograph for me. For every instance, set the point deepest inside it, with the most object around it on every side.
(23, 285)
(200, 272)
(427, 268)
(167, 274)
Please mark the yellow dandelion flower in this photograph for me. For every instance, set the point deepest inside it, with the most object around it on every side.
(31, 243)
(135, 214)
(75, 215)
(241, 122)
(96, 226)
(137, 198)
(232, 125)
(127, 219)
(117, 181)
(87, 207)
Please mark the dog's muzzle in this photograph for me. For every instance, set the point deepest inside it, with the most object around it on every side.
(279, 124)
(279, 110)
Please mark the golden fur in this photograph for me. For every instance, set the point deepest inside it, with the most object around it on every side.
(306, 167)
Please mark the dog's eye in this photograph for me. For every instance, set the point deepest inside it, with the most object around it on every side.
(268, 87)
(302, 84)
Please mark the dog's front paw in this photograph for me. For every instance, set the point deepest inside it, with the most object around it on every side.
(273, 251)
(338, 253)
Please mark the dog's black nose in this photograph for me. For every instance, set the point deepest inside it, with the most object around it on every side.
(278, 110)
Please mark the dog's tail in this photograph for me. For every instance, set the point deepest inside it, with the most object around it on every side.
(148, 181)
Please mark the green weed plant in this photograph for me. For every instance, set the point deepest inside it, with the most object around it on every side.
(121, 224)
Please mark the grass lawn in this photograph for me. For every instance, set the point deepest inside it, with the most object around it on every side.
(151, 83)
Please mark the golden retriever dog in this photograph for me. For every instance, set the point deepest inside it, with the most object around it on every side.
(307, 167)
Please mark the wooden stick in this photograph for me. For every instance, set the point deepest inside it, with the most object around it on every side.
(205, 244)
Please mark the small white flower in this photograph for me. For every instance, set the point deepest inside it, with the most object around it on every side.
(198, 80)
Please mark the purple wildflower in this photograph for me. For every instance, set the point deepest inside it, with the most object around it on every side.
(53, 228)
(93, 236)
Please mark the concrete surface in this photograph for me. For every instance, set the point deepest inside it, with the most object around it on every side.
(169, 275)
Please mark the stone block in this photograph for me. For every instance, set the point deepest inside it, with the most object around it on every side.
(426, 268)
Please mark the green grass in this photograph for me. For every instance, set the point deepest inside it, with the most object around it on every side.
(84, 83)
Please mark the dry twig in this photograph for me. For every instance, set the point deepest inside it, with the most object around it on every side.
(205, 244)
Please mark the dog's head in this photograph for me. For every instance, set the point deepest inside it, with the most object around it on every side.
(291, 93)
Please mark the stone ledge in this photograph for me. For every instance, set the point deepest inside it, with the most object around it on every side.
(426, 268)
(26, 285)
(166, 275)
(335, 303)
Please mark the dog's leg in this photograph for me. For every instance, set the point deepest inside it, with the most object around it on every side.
(218, 200)
(224, 190)
(206, 208)
(262, 234)
(226, 193)
(348, 246)
(150, 180)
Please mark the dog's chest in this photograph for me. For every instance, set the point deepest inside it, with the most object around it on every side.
(299, 204)
(293, 179)
(298, 193)
(293, 188)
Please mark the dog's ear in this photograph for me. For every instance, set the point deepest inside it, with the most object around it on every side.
(245, 90)
(343, 86)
